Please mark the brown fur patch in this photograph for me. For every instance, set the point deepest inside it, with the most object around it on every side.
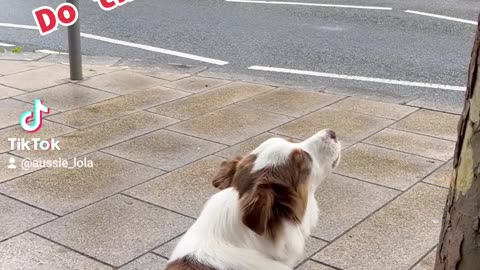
(188, 263)
(224, 177)
(271, 195)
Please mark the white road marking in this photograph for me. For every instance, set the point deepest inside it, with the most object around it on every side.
(441, 17)
(6, 45)
(359, 78)
(155, 49)
(12, 25)
(50, 52)
(308, 4)
(133, 45)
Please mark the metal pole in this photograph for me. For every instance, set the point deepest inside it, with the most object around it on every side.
(74, 47)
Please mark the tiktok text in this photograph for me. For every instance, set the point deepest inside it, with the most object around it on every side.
(33, 144)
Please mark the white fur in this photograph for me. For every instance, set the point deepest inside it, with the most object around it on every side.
(220, 239)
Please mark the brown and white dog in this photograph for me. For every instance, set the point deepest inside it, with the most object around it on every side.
(265, 210)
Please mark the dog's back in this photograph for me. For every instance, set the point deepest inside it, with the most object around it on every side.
(219, 240)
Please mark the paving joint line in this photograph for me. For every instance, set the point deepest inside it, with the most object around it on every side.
(15, 73)
(96, 89)
(418, 133)
(435, 110)
(28, 230)
(380, 130)
(368, 182)
(31, 205)
(324, 264)
(200, 94)
(156, 247)
(196, 93)
(400, 151)
(296, 118)
(38, 59)
(318, 238)
(62, 124)
(36, 90)
(133, 161)
(190, 94)
(423, 257)
(156, 205)
(71, 249)
(152, 251)
(435, 185)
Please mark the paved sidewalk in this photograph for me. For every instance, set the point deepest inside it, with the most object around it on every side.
(157, 138)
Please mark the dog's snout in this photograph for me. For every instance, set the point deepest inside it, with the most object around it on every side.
(331, 134)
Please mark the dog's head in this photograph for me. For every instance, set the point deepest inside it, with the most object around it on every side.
(275, 179)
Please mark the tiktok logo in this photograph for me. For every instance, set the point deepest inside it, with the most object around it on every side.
(36, 115)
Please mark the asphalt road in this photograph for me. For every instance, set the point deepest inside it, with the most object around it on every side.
(384, 44)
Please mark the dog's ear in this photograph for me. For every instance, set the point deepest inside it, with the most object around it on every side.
(276, 194)
(257, 208)
(224, 177)
(264, 208)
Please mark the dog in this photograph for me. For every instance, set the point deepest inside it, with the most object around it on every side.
(265, 210)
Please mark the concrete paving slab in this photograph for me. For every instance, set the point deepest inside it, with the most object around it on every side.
(375, 108)
(17, 217)
(231, 124)
(37, 79)
(344, 202)
(249, 145)
(117, 107)
(385, 167)
(185, 190)
(312, 246)
(163, 74)
(116, 230)
(29, 251)
(427, 263)
(165, 149)
(95, 69)
(364, 92)
(7, 174)
(436, 124)
(11, 110)
(350, 127)
(122, 82)
(413, 143)
(166, 249)
(443, 176)
(208, 101)
(445, 101)
(195, 84)
(63, 190)
(6, 92)
(67, 96)
(395, 237)
(103, 135)
(8, 67)
(290, 102)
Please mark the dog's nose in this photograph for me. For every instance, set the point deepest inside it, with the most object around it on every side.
(331, 134)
